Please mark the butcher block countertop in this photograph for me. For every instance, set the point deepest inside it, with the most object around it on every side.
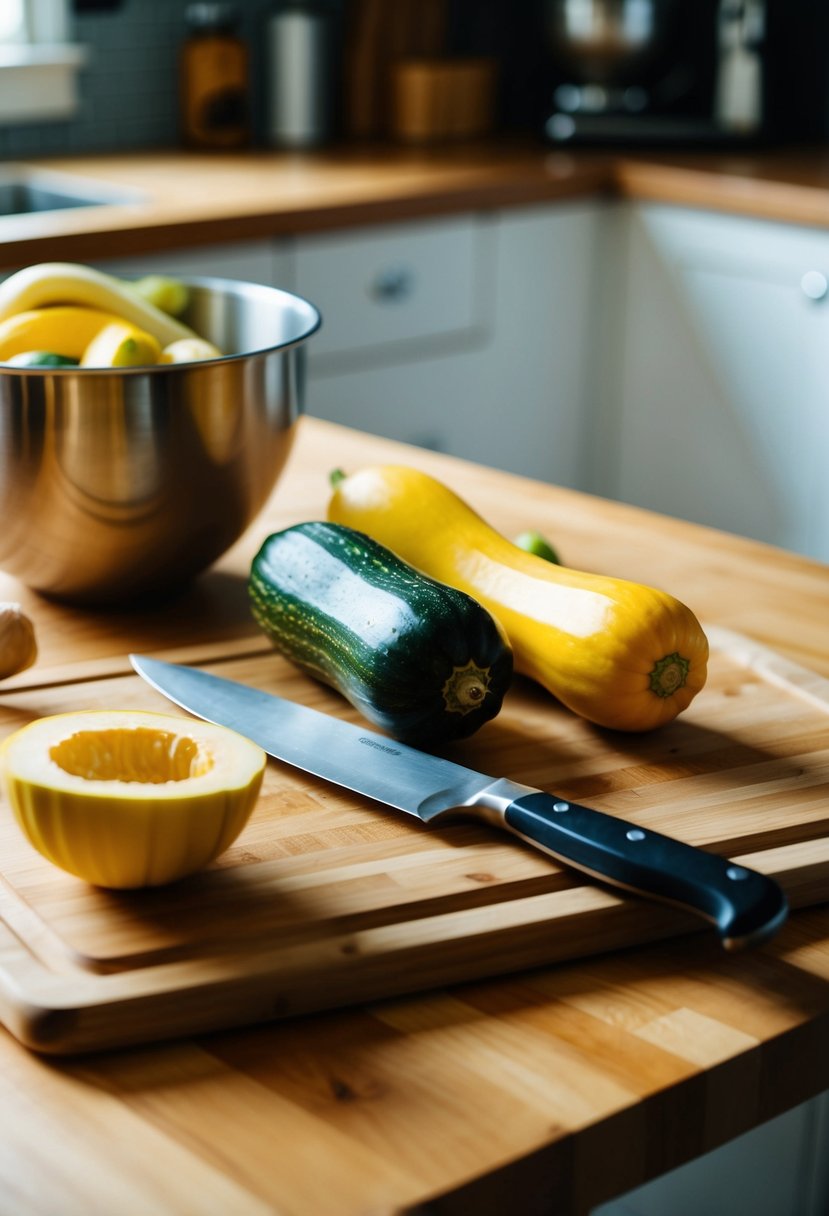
(180, 199)
(541, 1089)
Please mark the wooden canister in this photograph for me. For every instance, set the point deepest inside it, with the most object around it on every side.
(440, 99)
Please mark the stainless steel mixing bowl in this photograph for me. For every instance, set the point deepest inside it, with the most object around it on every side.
(121, 483)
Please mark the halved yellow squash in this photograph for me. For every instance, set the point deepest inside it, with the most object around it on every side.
(125, 798)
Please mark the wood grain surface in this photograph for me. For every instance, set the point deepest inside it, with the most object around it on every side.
(488, 1096)
(327, 899)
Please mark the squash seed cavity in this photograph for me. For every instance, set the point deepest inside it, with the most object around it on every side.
(152, 756)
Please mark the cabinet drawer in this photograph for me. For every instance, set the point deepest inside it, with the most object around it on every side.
(249, 261)
(396, 285)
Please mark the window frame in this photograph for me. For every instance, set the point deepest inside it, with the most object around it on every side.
(38, 73)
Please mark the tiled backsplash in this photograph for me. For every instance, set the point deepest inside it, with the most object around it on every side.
(129, 85)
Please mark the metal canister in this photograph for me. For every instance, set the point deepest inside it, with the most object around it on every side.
(300, 76)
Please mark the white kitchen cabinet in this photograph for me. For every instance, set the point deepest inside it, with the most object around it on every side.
(497, 372)
(387, 291)
(248, 261)
(469, 334)
(670, 358)
(722, 376)
(778, 1169)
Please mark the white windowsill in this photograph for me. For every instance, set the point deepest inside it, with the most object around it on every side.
(39, 81)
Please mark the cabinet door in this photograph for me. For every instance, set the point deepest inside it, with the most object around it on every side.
(768, 343)
(503, 384)
(384, 292)
(777, 1169)
(724, 380)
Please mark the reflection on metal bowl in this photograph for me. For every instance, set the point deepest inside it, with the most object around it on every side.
(121, 483)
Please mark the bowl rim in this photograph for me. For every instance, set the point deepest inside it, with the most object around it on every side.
(211, 283)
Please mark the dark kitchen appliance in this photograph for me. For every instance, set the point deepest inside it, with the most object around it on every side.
(657, 71)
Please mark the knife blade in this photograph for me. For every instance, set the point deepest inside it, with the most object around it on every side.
(745, 907)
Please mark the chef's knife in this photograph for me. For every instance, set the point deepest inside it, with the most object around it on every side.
(746, 907)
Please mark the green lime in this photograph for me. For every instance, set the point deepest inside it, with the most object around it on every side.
(41, 358)
(170, 295)
(534, 542)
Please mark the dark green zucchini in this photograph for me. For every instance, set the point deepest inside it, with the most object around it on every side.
(41, 358)
(425, 662)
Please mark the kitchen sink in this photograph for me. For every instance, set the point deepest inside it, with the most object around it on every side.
(28, 192)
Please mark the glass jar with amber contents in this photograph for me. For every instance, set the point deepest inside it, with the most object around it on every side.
(215, 81)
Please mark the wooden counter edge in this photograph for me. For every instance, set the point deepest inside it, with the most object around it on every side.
(389, 189)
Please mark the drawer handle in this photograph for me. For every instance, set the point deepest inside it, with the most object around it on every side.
(393, 285)
(814, 285)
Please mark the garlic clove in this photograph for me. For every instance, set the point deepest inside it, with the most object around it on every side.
(18, 645)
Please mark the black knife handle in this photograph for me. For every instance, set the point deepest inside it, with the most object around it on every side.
(746, 907)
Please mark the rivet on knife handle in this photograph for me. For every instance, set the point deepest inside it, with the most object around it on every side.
(745, 906)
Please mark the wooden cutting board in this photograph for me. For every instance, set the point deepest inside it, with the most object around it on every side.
(328, 899)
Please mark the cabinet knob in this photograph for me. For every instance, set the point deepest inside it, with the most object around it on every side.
(393, 284)
(815, 285)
